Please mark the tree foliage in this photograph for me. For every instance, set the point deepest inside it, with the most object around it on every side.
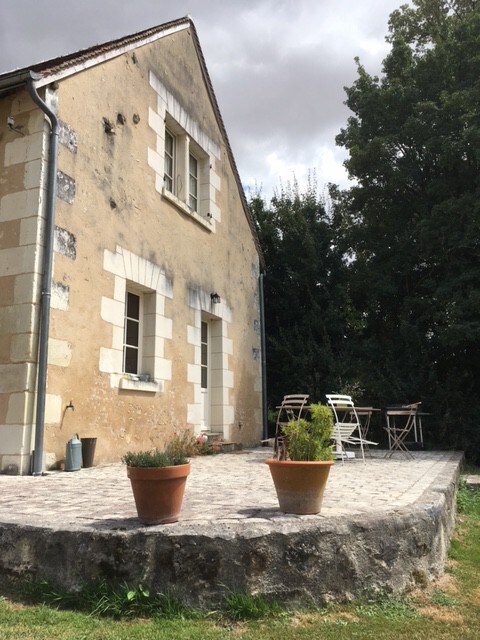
(412, 222)
(302, 293)
(384, 292)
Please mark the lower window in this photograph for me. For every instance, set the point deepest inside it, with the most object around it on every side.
(132, 333)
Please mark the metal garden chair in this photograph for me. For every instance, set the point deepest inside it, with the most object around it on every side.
(398, 431)
(347, 428)
(292, 407)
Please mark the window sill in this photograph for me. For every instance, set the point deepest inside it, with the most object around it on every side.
(139, 385)
(206, 223)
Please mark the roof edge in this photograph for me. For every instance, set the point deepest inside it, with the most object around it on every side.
(56, 68)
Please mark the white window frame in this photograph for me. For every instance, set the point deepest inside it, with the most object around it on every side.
(169, 178)
(185, 181)
(193, 166)
(190, 136)
(136, 274)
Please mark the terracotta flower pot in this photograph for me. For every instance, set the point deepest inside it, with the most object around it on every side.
(158, 492)
(299, 485)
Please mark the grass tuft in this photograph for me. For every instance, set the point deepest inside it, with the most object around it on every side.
(104, 600)
(442, 599)
(387, 607)
(468, 500)
(246, 606)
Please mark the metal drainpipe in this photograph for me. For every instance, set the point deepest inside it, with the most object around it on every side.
(46, 279)
(264, 358)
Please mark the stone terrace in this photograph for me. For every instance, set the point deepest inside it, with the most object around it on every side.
(385, 524)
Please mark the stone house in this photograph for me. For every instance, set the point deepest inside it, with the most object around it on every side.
(130, 270)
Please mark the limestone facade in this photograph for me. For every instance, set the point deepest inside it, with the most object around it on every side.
(125, 235)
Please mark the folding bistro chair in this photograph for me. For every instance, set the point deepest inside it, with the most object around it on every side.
(347, 428)
(397, 433)
(291, 408)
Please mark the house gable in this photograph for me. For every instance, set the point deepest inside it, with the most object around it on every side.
(56, 69)
(155, 310)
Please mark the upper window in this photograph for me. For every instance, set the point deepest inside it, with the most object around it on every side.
(186, 160)
(169, 177)
(193, 183)
(186, 171)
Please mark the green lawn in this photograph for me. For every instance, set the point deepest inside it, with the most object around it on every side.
(448, 609)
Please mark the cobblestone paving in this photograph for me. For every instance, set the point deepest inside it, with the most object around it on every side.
(224, 491)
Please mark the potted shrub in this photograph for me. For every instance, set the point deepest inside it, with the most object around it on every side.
(306, 446)
(158, 479)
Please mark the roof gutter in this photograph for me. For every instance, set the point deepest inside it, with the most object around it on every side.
(46, 291)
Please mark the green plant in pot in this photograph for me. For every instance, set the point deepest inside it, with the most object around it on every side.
(158, 479)
(302, 463)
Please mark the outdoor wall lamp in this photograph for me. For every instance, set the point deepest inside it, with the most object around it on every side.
(215, 298)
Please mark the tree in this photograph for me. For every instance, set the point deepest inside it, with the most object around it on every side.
(303, 293)
(411, 223)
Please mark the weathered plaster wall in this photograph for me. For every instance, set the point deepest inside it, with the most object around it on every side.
(108, 205)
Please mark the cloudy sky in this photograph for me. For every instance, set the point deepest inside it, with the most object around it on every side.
(278, 67)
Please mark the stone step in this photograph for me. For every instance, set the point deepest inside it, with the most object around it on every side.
(225, 447)
(230, 447)
(473, 482)
(213, 435)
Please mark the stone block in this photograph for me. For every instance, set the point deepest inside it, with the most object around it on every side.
(219, 396)
(117, 338)
(13, 439)
(65, 242)
(219, 360)
(67, 137)
(15, 465)
(163, 327)
(119, 289)
(53, 409)
(162, 369)
(156, 123)
(20, 408)
(60, 296)
(65, 187)
(112, 311)
(193, 373)
(24, 149)
(113, 262)
(228, 379)
(9, 234)
(7, 287)
(18, 260)
(21, 204)
(24, 347)
(59, 352)
(193, 335)
(26, 287)
(156, 162)
(110, 360)
(17, 319)
(36, 121)
(29, 233)
(33, 173)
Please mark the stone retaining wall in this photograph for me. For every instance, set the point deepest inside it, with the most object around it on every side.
(323, 560)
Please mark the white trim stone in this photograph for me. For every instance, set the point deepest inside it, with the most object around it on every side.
(130, 268)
